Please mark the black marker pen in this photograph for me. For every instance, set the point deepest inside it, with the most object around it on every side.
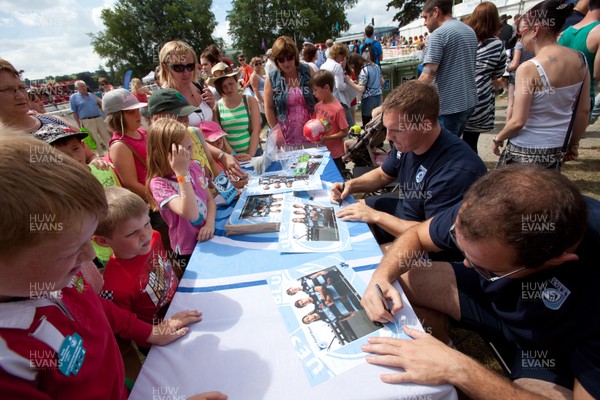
(382, 297)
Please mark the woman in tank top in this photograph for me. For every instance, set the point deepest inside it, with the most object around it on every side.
(237, 114)
(547, 88)
(179, 71)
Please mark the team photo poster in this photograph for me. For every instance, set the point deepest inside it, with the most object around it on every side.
(320, 306)
(308, 226)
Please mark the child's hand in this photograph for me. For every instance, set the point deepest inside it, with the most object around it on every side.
(101, 164)
(243, 157)
(206, 232)
(179, 159)
(173, 328)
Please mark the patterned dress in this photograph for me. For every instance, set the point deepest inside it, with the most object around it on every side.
(297, 115)
(491, 62)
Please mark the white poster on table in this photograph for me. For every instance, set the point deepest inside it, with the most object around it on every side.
(312, 227)
(272, 183)
(319, 303)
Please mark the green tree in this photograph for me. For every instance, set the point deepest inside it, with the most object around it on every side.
(408, 10)
(252, 21)
(136, 30)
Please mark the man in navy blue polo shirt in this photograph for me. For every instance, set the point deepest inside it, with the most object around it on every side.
(432, 167)
(530, 279)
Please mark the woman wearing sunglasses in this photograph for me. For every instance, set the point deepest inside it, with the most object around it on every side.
(547, 88)
(178, 70)
(289, 101)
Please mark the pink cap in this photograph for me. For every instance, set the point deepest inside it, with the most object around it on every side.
(211, 130)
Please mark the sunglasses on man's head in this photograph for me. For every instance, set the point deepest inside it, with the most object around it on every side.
(181, 67)
(283, 59)
(220, 72)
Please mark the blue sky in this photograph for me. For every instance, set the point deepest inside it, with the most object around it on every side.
(48, 37)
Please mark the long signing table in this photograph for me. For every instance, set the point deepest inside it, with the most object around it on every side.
(242, 347)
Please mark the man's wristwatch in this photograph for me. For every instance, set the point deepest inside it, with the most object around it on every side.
(500, 142)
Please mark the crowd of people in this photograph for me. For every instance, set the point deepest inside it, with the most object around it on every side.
(134, 206)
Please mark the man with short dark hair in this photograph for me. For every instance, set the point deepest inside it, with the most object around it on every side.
(506, 30)
(432, 166)
(371, 47)
(529, 281)
(450, 59)
(246, 71)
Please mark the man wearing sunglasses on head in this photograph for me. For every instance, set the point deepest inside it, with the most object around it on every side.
(529, 281)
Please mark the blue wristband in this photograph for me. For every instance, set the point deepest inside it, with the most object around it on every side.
(233, 153)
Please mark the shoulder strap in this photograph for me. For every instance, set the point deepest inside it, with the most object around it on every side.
(218, 115)
(249, 115)
(133, 151)
(572, 122)
(542, 74)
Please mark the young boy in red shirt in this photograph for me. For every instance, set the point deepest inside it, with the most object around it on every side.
(138, 276)
(56, 334)
(329, 109)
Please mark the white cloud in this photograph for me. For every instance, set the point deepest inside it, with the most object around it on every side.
(5, 21)
(49, 37)
(97, 11)
(221, 31)
(52, 55)
(370, 9)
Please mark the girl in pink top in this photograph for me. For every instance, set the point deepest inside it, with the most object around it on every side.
(179, 188)
(128, 144)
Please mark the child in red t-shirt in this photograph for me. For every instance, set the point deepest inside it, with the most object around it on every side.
(329, 109)
(138, 276)
(57, 335)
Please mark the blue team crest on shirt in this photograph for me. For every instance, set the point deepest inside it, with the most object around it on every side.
(420, 174)
(555, 294)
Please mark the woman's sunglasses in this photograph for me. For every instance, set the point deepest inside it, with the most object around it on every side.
(283, 59)
(181, 67)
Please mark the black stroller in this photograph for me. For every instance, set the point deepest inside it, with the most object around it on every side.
(368, 150)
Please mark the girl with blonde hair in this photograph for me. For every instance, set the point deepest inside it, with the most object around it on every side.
(178, 188)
